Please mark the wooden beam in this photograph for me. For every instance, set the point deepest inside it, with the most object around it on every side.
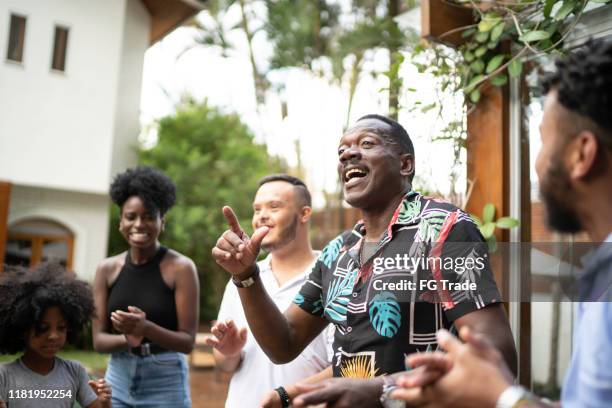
(5, 199)
(439, 17)
(487, 161)
(524, 346)
(166, 15)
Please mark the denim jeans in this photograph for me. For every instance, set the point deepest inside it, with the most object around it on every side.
(157, 380)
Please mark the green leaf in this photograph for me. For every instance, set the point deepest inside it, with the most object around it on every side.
(548, 5)
(494, 63)
(468, 32)
(473, 83)
(499, 80)
(497, 31)
(475, 96)
(492, 243)
(468, 56)
(532, 36)
(492, 45)
(507, 222)
(480, 51)
(477, 66)
(488, 229)
(515, 67)
(482, 37)
(429, 107)
(487, 23)
(488, 213)
(566, 8)
(477, 220)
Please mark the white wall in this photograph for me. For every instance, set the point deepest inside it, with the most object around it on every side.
(86, 215)
(127, 109)
(57, 129)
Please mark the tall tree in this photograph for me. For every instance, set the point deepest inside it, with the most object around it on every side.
(303, 31)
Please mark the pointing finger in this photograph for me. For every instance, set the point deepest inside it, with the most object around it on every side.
(232, 220)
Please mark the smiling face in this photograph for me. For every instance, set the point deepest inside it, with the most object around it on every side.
(277, 206)
(138, 225)
(50, 336)
(371, 169)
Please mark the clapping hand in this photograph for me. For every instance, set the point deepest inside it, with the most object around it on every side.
(132, 324)
(103, 391)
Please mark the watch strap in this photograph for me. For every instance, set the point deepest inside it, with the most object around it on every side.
(249, 281)
(284, 397)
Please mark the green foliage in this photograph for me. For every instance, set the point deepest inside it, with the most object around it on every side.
(526, 28)
(301, 31)
(487, 224)
(214, 161)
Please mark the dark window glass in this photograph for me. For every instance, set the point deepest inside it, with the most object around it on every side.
(18, 252)
(60, 43)
(16, 38)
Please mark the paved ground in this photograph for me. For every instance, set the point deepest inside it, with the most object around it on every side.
(208, 388)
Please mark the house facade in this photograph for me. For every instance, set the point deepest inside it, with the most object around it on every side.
(70, 75)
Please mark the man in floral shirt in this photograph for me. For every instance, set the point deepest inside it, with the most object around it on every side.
(378, 318)
(386, 285)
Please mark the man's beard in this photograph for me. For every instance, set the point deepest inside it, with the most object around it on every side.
(285, 237)
(560, 215)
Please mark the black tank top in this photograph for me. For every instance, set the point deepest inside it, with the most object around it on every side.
(142, 286)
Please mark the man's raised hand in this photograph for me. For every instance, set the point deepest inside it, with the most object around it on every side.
(228, 339)
(235, 251)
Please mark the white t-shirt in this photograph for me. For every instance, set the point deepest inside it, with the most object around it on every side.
(256, 374)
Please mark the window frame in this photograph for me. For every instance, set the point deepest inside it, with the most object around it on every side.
(7, 55)
(56, 27)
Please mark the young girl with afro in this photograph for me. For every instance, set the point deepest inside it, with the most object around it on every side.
(40, 311)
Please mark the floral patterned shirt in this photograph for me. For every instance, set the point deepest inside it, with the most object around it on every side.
(430, 267)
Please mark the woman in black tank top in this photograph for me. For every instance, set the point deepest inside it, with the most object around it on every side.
(147, 299)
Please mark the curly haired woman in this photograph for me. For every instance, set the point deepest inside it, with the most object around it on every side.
(146, 298)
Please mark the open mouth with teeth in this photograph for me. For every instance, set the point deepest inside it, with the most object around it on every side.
(354, 175)
(139, 236)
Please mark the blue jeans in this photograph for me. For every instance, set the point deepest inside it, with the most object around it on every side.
(157, 380)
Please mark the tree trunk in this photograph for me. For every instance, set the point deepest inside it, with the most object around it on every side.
(259, 80)
(393, 7)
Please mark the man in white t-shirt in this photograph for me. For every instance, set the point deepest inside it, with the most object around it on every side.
(282, 204)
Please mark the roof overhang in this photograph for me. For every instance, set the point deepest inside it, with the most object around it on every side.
(166, 15)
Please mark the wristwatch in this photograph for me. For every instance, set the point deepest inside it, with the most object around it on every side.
(385, 399)
(248, 281)
(515, 396)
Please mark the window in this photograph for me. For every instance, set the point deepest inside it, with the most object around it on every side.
(60, 43)
(33, 241)
(16, 38)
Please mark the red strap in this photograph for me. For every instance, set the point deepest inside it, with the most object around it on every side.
(435, 252)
